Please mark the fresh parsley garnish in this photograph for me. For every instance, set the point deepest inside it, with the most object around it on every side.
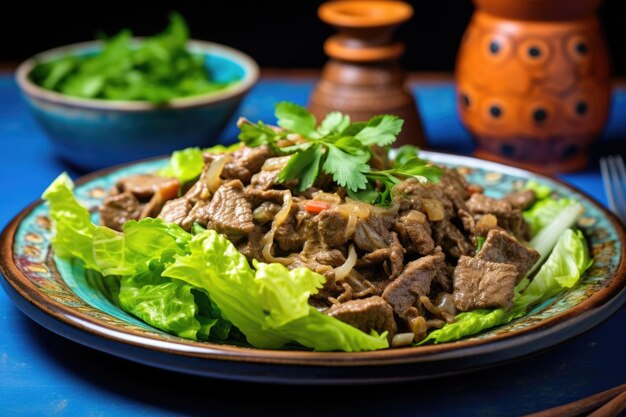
(339, 148)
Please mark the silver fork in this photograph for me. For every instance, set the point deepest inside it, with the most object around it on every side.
(614, 180)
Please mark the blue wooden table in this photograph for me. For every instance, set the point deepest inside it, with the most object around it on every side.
(42, 374)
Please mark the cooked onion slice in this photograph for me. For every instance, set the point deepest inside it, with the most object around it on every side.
(212, 178)
(402, 339)
(268, 239)
(342, 271)
(276, 163)
(353, 211)
(333, 198)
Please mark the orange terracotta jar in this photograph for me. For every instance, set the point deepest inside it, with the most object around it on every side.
(533, 82)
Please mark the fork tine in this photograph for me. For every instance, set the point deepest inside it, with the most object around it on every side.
(606, 181)
(621, 184)
(614, 181)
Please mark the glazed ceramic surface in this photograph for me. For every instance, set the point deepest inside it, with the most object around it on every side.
(533, 82)
(94, 134)
(60, 296)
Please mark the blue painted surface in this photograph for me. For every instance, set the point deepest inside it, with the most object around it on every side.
(45, 375)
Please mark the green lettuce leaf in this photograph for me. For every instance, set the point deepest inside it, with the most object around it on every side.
(72, 228)
(541, 190)
(184, 165)
(269, 305)
(128, 253)
(563, 269)
(169, 305)
(127, 266)
(544, 211)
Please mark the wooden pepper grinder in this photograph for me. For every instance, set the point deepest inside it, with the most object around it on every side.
(363, 77)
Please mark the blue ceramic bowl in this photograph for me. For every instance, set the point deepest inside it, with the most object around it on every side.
(92, 133)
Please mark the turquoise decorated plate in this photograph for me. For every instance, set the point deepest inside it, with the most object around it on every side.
(61, 297)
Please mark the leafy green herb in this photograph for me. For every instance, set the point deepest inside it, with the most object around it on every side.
(158, 69)
(480, 241)
(419, 169)
(187, 164)
(340, 149)
(404, 153)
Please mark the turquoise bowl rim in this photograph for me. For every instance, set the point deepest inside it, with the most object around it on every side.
(32, 90)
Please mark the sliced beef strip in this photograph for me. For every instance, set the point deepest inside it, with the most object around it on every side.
(452, 241)
(264, 180)
(372, 313)
(199, 213)
(468, 221)
(228, 212)
(482, 204)
(478, 225)
(326, 230)
(332, 257)
(144, 186)
(414, 225)
(521, 199)
(246, 162)
(501, 247)
(508, 217)
(135, 197)
(331, 288)
(444, 278)
(410, 194)
(332, 227)
(414, 281)
(175, 211)
(252, 246)
(117, 209)
(291, 234)
(483, 284)
(360, 284)
(455, 187)
(373, 233)
(256, 197)
(200, 189)
(392, 256)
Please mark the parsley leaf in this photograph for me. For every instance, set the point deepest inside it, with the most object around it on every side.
(404, 153)
(380, 130)
(416, 168)
(347, 169)
(303, 165)
(296, 118)
(334, 122)
(341, 149)
(258, 134)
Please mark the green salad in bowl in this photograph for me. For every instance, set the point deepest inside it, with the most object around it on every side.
(308, 235)
(156, 69)
(122, 99)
